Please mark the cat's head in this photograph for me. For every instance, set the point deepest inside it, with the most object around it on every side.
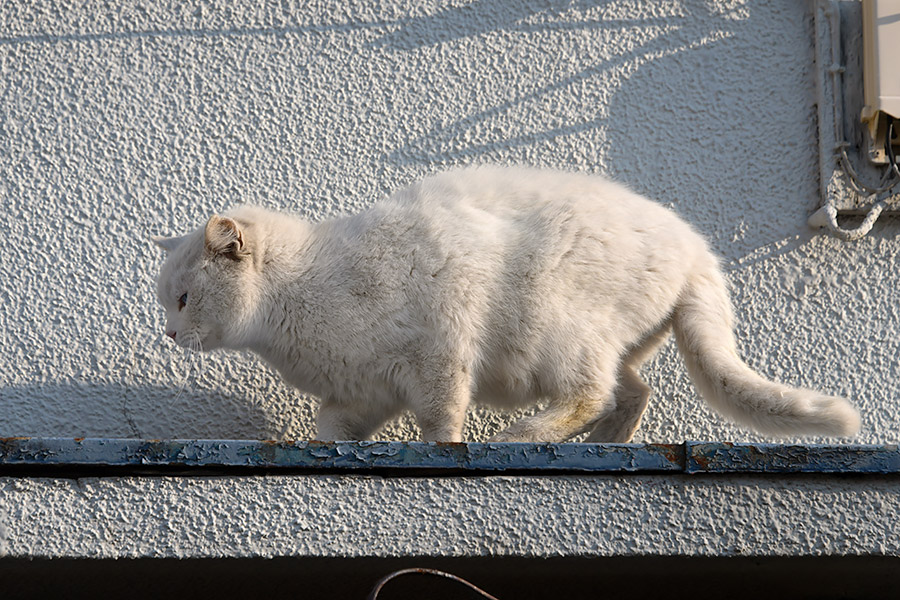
(208, 284)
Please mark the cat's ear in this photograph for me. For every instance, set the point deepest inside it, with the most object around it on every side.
(167, 243)
(223, 236)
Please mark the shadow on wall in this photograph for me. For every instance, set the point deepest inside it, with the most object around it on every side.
(454, 23)
(670, 103)
(659, 116)
(77, 409)
(470, 20)
(633, 127)
(199, 32)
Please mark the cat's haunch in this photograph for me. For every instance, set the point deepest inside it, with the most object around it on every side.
(504, 286)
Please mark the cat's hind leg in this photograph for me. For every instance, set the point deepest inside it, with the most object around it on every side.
(631, 393)
(560, 421)
(631, 397)
(568, 415)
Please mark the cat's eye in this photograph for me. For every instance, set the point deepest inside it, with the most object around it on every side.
(182, 302)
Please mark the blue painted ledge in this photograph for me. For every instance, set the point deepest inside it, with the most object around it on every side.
(25, 455)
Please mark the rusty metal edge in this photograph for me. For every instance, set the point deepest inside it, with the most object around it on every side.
(350, 456)
(724, 457)
(186, 456)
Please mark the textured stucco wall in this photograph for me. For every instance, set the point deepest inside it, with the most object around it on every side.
(460, 516)
(121, 121)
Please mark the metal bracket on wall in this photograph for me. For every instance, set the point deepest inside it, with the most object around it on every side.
(850, 184)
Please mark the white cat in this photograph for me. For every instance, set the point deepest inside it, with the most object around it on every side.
(506, 286)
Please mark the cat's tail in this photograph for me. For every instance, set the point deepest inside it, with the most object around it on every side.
(702, 324)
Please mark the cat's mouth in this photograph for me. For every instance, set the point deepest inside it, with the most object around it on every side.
(191, 340)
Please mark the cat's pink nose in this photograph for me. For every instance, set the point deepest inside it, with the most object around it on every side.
(171, 334)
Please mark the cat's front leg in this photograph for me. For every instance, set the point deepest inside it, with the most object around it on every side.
(440, 408)
(441, 426)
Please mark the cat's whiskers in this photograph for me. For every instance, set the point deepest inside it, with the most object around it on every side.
(193, 349)
(198, 358)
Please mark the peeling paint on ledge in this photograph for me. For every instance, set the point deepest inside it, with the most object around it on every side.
(721, 457)
(162, 456)
(354, 456)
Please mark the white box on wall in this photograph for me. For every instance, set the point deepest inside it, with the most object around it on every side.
(881, 70)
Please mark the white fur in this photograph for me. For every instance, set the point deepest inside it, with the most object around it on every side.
(498, 285)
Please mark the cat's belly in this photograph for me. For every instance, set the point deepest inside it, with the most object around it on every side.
(503, 399)
(504, 391)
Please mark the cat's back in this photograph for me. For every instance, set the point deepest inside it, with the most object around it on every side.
(502, 190)
(511, 201)
(488, 222)
(513, 191)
